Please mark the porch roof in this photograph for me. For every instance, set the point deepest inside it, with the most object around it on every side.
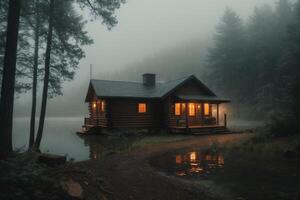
(203, 98)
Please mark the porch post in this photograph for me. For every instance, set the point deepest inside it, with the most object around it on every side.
(217, 114)
(186, 116)
(225, 120)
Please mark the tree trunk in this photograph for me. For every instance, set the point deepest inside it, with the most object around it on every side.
(46, 78)
(35, 68)
(8, 79)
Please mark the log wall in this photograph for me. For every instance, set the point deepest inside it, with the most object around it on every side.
(123, 113)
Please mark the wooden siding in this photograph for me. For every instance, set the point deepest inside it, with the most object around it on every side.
(97, 117)
(171, 120)
(124, 114)
(190, 88)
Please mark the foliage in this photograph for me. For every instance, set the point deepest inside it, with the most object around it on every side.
(3, 9)
(69, 37)
(18, 177)
(21, 177)
(289, 73)
(226, 57)
(256, 62)
(103, 9)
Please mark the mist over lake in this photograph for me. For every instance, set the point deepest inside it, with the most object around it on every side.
(60, 137)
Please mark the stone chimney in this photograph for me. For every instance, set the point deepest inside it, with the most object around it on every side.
(149, 80)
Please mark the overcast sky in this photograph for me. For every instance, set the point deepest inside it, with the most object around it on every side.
(147, 27)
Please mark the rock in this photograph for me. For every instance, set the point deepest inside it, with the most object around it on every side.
(73, 188)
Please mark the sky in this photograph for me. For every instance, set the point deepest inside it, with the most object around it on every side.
(145, 28)
(149, 26)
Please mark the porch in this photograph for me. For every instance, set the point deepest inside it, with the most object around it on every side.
(195, 113)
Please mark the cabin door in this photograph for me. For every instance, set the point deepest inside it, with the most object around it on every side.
(194, 114)
(199, 114)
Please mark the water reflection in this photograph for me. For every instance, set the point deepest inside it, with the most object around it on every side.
(197, 162)
(101, 146)
(189, 163)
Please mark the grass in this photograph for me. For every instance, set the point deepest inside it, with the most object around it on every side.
(263, 167)
(147, 140)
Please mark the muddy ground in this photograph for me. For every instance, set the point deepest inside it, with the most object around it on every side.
(130, 176)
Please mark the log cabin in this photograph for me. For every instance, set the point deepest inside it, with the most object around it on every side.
(183, 104)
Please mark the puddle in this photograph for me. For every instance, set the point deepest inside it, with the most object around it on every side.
(189, 163)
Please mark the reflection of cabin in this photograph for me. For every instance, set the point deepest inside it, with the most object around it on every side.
(184, 103)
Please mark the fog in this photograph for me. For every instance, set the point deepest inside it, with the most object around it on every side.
(146, 30)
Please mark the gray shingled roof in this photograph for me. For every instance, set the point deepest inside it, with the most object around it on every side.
(122, 89)
(202, 98)
(104, 88)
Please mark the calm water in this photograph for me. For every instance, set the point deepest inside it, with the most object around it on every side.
(190, 163)
(60, 138)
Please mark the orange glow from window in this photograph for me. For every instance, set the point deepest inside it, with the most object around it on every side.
(102, 106)
(192, 109)
(94, 105)
(178, 159)
(177, 109)
(198, 106)
(206, 109)
(142, 108)
(193, 156)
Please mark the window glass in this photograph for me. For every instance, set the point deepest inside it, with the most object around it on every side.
(177, 109)
(142, 107)
(103, 106)
(206, 109)
(192, 109)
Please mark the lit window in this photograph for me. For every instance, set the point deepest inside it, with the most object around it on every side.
(192, 109)
(142, 108)
(178, 159)
(177, 109)
(94, 105)
(193, 156)
(206, 109)
(103, 106)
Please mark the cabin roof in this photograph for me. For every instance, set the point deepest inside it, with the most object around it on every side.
(202, 98)
(123, 89)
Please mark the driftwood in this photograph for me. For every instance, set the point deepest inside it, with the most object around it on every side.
(52, 160)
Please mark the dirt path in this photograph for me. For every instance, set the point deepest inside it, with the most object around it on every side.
(129, 175)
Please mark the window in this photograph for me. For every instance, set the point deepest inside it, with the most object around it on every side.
(102, 106)
(206, 109)
(94, 105)
(177, 109)
(142, 108)
(192, 109)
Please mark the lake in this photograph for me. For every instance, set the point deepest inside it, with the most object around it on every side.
(60, 138)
